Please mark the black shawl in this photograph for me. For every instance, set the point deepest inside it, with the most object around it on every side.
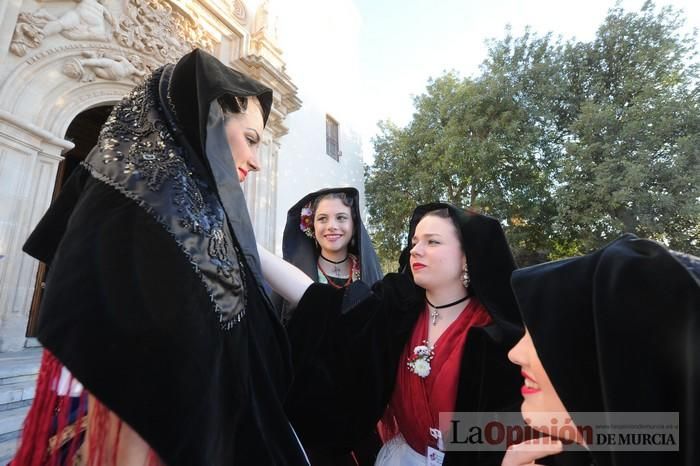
(618, 330)
(153, 299)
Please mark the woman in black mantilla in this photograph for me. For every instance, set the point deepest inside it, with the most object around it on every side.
(154, 299)
(325, 238)
(615, 331)
(355, 350)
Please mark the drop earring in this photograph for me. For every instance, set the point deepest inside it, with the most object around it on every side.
(465, 276)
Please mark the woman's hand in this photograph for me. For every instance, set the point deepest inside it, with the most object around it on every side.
(525, 454)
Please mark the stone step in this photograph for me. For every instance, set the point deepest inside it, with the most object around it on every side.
(8, 447)
(13, 393)
(11, 420)
(21, 366)
(18, 374)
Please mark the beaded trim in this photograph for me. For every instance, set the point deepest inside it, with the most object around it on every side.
(137, 155)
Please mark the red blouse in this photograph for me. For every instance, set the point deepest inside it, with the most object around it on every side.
(416, 402)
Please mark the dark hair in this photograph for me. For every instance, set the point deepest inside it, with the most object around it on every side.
(344, 198)
(445, 213)
(233, 103)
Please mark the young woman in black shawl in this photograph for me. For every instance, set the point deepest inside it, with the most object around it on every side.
(154, 299)
(430, 339)
(616, 331)
(326, 239)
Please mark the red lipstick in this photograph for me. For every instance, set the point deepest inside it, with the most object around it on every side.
(525, 390)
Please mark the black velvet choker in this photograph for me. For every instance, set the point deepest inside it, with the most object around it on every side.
(460, 300)
(334, 262)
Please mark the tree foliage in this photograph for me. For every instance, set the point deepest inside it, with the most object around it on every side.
(568, 143)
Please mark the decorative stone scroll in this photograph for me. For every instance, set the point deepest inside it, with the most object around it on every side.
(239, 11)
(153, 28)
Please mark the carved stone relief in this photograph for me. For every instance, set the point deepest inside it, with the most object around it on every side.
(111, 67)
(151, 27)
(88, 20)
(27, 33)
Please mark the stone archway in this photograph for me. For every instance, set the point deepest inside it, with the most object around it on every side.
(31, 159)
(83, 131)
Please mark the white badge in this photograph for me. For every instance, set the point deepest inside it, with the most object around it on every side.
(434, 457)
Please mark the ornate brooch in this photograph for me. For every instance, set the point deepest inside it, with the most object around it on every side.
(419, 361)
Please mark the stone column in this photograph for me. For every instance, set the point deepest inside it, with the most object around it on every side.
(260, 192)
(29, 158)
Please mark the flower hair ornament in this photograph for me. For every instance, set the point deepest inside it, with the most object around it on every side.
(419, 361)
(306, 223)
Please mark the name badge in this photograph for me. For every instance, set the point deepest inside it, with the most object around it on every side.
(434, 457)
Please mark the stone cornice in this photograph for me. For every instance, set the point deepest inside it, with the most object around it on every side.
(260, 68)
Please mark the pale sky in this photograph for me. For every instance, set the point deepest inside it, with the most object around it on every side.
(380, 53)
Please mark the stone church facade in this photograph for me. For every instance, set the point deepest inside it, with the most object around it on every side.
(64, 63)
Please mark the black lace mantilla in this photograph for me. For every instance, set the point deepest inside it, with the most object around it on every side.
(137, 155)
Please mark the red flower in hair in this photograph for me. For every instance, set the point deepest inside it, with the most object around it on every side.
(307, 221)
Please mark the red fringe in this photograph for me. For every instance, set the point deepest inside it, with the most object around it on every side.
(37, 425)
(48, 437)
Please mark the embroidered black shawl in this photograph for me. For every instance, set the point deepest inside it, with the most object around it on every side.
(153, 299)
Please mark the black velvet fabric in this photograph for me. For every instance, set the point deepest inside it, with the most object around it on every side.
(131, 309)
(618, 330)
(300, 250)
(349, 344)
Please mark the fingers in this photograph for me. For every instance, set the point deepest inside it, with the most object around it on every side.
(525, 453)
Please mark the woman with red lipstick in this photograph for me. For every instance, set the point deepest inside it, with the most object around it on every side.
(432, 338)
(616, 331)
(154, 300)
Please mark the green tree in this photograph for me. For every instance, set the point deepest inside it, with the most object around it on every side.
(469, 143)
(569, 143)
(631, 159)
